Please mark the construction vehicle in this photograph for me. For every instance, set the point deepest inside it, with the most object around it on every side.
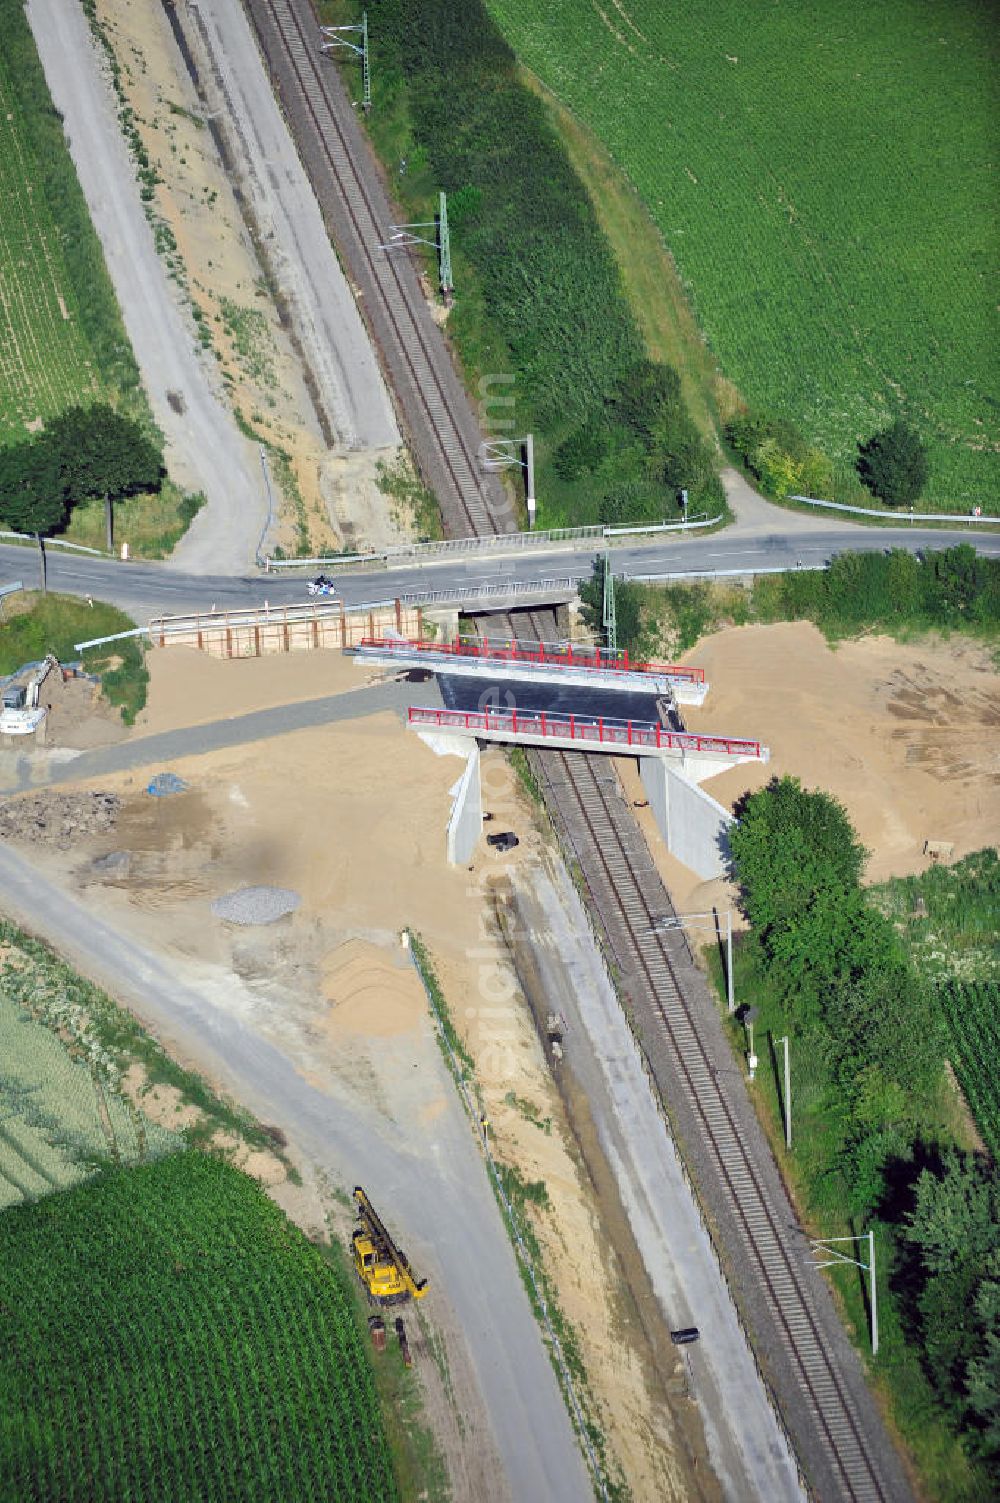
(382, 1267)
(19, 711)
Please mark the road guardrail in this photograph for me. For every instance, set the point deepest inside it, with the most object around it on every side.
(405, 555)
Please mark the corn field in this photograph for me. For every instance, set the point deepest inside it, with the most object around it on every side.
(60, 1117)
(825, 178)
(45, 364)
(168, 1334)
(972, 1014)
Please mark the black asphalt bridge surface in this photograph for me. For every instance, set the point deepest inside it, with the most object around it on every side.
(461, 693)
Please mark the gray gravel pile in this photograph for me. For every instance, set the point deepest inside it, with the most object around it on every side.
(256, 905)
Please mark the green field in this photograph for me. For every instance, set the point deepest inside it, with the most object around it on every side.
(825, 177)
(169, 1334)
(61, 335)
(61, 1115)
(950, 917)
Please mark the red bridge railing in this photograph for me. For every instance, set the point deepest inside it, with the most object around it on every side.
(585, 729)
(547, 654)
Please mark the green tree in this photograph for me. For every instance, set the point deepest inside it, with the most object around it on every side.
(954, 1229)
(776, 469)
(787, 843)
(32, 497)
(798, 864)
(102, 453)
(984, 1368)
(893, 464)
(628, 609)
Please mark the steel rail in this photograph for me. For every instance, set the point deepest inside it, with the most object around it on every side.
(303, 61)
(617, 888)
(847, 1468)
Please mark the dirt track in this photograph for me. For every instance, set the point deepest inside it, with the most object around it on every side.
(205, 450)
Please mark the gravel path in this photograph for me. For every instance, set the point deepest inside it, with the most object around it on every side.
(205, 450)
(191, 741)
(347, 382)
(437, 1187)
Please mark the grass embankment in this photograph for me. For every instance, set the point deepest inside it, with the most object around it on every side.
(152, 524)
(896, 593)
(61, 335)
(35, 624)
(829, 291)
(95, 1030)
(542, 325)
(880, 1137)
(170, 1334)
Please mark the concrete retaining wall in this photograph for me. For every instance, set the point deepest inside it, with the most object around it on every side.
(465, 826)
(693, 824)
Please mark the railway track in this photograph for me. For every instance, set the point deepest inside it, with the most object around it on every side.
(795, 1328)
(808, 1362)
(630, 900)
(435, 410)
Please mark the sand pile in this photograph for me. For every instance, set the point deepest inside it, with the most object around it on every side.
(256, 905)
(904, 733)
(370, 993)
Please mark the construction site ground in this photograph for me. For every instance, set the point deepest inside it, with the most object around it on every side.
(351, 817)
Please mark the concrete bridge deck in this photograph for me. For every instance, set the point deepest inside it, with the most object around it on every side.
(548, 663)
(571, 732)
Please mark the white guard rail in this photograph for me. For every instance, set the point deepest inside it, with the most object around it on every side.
(501, 542)
(973, 518)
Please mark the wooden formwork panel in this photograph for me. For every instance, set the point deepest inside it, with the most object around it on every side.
(277, 631)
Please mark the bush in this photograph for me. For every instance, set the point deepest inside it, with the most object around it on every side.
(644, 397)
(581, 452)
(893, 464)
(535, 263)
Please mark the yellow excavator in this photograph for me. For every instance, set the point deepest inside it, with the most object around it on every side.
(381, 1266)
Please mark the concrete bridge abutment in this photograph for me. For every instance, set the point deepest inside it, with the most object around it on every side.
(694, 826)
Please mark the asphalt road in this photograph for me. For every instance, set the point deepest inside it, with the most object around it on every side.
(18, 772)
(147, 590)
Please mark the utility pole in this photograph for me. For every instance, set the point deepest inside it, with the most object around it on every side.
(610, 625)
(270, 497)
(832, 1257)
(788, 1093)
(403, 235)
(730, 995)
(340, 39)
(529, 470)
(749, 1015)
(503, 453)
(444, 251)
